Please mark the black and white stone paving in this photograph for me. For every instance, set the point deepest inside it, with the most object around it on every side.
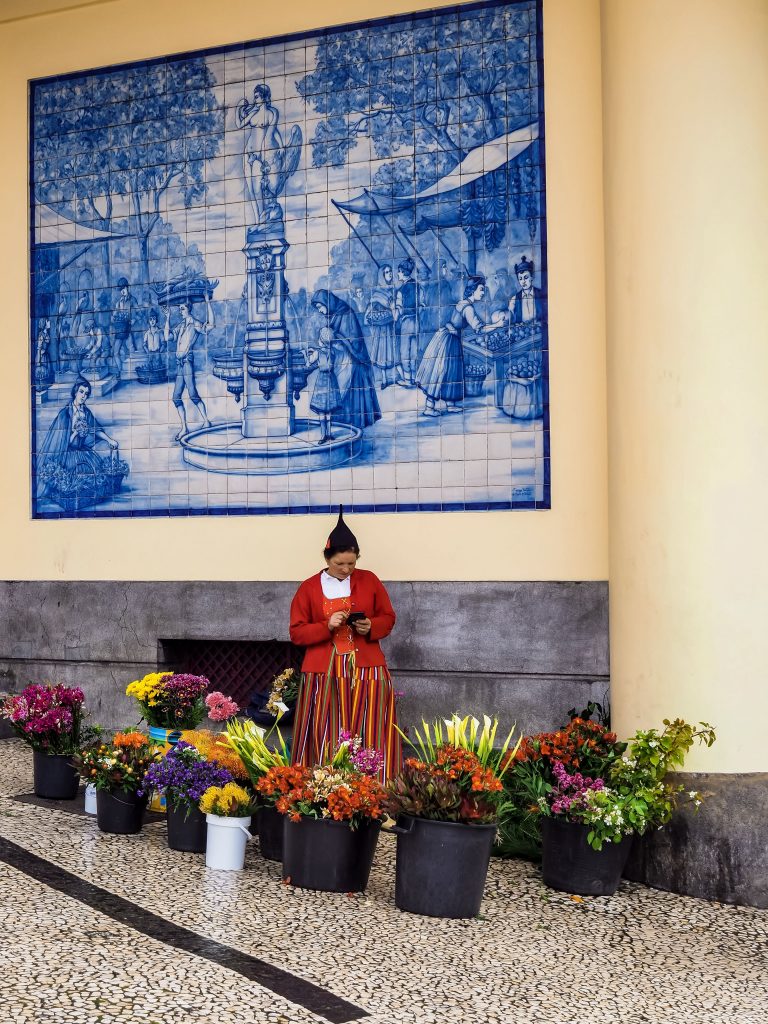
(99, 929)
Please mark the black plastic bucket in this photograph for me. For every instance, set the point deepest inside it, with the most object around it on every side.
(187, 829)
(56, 778)
(569, 863)
(441, 866)
(120, 812)
(271, 823)
(319, 853)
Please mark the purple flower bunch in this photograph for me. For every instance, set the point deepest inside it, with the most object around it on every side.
(184, 688)
(184, 775)
(569, 796)
(47, 717)
(366, 760)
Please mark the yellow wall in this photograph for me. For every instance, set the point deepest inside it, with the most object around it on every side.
(569, 542)
(686, 144)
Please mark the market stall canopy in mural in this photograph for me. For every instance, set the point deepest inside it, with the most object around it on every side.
(281, 275)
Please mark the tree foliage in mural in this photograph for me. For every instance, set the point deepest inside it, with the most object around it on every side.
(108, 147)
(438, 98)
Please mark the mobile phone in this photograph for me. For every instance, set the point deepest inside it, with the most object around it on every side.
(355, 616)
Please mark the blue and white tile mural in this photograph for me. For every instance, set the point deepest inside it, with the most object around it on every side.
(286, 274)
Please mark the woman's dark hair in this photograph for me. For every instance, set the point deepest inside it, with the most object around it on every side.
(81, 382)
(472, 284)
(331, 551)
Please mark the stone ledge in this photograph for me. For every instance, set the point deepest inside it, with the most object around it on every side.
(719, 853)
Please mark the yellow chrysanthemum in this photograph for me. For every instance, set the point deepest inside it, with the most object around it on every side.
(146, 690)
(227, 801)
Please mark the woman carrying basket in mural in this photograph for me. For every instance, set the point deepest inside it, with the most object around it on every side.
(339, 615)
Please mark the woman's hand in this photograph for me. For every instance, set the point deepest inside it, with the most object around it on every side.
(336, 620)
(363, 626)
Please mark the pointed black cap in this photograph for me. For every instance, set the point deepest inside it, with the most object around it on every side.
(341, 535)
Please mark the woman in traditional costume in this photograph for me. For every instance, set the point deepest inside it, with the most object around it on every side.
(67, 463)
(380, 317)
(351, 362)
(345, 683)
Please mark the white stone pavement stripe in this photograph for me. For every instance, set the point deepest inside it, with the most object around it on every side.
(304, 993)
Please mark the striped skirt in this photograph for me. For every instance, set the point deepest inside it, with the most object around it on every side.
(361, 702)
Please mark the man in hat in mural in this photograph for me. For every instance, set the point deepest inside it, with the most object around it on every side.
(527, 304)
(407, 318)
(122, 321)
(186, 334)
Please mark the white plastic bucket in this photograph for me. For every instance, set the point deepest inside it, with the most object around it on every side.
(225, 849)
(90, 799)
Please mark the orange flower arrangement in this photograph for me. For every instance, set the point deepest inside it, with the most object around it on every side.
(323, 792)
(132, 740)
(214, 747)
(582, 744)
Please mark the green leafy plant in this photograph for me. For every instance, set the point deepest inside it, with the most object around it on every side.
(249, 741)
(634, 796)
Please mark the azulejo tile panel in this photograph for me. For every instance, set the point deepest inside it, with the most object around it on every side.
(291, 273)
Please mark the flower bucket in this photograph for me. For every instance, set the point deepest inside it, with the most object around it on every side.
(166, 738)
(121, 812)
(187, 829)
(441, 866)
(270, 825)
(55, 776)
(225, 849)
(327, 855)
(90, 799)
(569, 863)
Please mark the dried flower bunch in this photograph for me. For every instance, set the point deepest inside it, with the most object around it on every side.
(214, 747)
(121, 764)
(283, 692)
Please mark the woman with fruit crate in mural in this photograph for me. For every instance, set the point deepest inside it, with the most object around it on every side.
(441, 372)
(339, 615)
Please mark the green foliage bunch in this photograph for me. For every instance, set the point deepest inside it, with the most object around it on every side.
(634, 796)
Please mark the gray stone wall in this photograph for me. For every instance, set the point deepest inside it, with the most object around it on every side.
(719, 852)
(527, 651)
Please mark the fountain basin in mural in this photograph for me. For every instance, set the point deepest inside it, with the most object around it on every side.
(224, 449)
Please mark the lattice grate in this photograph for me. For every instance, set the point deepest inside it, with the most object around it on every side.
(241, 669)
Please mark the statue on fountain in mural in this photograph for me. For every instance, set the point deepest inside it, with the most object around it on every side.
(267, 161)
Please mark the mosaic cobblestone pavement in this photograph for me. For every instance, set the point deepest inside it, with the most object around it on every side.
(640, 957)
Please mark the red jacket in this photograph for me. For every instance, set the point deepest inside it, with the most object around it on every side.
(309, 624)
